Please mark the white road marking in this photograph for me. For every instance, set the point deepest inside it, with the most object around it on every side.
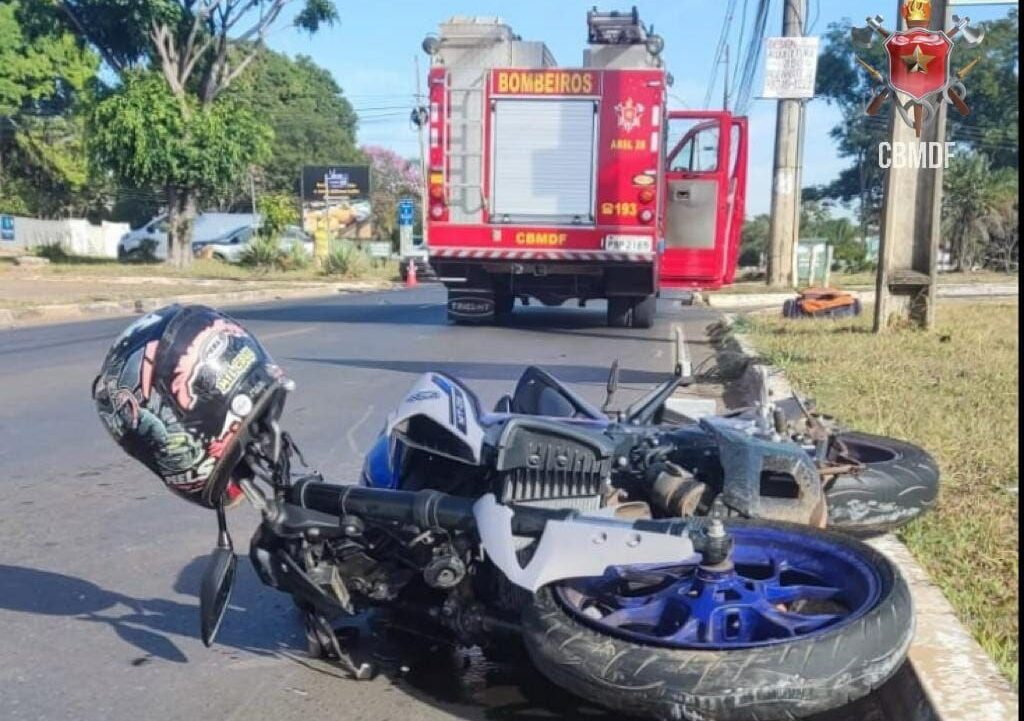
(286, 333)
(350, 434)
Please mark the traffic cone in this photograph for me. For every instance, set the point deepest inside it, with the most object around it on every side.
(410, 274)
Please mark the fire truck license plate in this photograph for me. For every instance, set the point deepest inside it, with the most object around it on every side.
(628, 243)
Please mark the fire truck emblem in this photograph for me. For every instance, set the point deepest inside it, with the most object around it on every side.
(629, 114)
(919, 65)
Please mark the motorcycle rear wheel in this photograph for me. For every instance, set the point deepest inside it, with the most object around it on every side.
(713, 679)
(899, 482)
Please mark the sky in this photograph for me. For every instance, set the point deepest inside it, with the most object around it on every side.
(373, 49)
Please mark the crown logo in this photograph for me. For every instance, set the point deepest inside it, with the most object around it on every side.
(917, 11)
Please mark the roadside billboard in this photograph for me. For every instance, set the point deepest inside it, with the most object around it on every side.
(336, 200)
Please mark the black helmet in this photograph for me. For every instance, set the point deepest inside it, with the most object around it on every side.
(179, 390)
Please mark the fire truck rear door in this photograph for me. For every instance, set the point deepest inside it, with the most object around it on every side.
(704, 189)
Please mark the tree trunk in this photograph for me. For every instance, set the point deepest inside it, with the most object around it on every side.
(181, 213)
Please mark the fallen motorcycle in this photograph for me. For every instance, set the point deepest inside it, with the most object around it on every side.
(483, 528)
(774, 460)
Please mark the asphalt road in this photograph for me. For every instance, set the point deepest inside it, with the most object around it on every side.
(100, 566)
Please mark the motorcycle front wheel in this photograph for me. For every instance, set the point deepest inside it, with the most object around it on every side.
(800, 622)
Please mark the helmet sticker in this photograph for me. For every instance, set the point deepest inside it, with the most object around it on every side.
(203, 355)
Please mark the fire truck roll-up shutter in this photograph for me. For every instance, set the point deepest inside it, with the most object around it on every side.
(543, 161)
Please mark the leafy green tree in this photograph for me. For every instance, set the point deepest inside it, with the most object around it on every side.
(992, 127)
(979, 204)
(43, 79)
(147, 137)
(196, 49)
(277, 211)
(754, 241)
(313, 123)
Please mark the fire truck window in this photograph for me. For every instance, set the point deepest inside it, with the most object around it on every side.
(734, 149)
(693, 145)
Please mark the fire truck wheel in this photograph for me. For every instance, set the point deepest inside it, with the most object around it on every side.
(619, 312)
(644, 309)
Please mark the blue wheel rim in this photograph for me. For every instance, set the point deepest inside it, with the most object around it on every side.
(782, 586)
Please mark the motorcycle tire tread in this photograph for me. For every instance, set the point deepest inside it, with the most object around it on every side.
(887, 494)
(784, 681)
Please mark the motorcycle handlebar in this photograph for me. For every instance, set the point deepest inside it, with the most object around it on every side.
(425, 509)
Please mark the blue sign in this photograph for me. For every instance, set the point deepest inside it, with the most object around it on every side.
(406, 211)
(6, 227)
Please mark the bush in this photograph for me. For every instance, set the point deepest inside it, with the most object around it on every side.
(295, 258)
(261, 252)
(277, 212)
(345, 259)
(53, 252)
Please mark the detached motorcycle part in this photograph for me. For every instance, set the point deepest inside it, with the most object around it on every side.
(683, 642)
(896, 482)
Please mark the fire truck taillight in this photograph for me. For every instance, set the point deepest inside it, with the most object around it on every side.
(646, 215)
(436, 211)
(646, 195)
(437, 192)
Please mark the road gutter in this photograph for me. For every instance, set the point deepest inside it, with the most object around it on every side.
(951, 678)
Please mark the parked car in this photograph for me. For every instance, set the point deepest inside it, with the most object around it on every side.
(150, 240)
(231, 246)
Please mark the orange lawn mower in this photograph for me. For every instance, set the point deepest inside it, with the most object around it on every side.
(822, 303)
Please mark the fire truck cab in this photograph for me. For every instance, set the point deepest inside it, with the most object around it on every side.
(549, 184)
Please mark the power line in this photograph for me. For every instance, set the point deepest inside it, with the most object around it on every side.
(719, 50)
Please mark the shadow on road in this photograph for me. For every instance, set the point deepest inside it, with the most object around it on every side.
(470, 370)
(149, 624)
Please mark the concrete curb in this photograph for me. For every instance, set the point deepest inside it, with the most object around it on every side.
(953, 678)
(740, 301)
(69, 312)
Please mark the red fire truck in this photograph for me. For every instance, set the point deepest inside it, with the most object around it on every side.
(552, 184)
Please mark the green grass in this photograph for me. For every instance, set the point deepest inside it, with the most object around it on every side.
(866, 281)
(955, 392)
(206, 269)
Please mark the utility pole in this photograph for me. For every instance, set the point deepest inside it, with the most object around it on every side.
(785, 212)
(725, 91)
(911, 222)
(423, 156)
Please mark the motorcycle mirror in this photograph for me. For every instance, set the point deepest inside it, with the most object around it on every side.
(218, 580)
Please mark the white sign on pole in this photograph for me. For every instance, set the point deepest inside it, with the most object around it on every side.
(790, 67)
(380, 249)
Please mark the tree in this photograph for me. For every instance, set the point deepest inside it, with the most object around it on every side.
(312, 121)
(992, 127)
(147, 137)
(978, 204)
(43, 79)
(754, 241)
(391, 178)
(197, 49)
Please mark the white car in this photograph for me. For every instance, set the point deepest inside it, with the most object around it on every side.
(150, 240)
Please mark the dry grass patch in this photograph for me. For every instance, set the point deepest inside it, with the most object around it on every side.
(955, 392)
